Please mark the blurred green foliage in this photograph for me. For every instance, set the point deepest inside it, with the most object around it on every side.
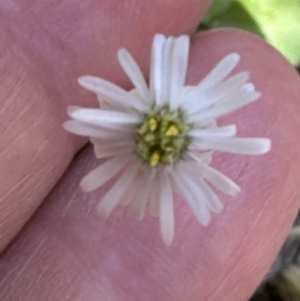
(278, 21)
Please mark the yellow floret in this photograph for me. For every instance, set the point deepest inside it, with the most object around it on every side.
(153, 124)
(155, 158)
(172, 130)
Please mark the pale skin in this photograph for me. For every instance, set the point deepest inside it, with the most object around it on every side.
(66, 251)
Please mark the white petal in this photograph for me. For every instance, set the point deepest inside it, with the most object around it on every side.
(117, 192)
(131, 191)
(220, 72)
(101, 117)
(139, 203)
(219, 180)
(82, 128)
(197, 100)
(166, 212)
(233, 83)
(249, 87)
(116, 138)
(193, 195)
(179, 69)
(201, 96)
(234, 103)
(205, 193)
(89, 130)
(193, 100)
(104, 105)
(100, 175)
(156, 72)
(113, 94)
(112, 149)
(134, 72)
(245, 146)
(201, 157)
(167, 70)
(214, 204)
(154, 202)
(225, 131)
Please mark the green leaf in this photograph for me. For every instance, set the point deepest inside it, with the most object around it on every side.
(233, 14)
(218, 8)
(279, 21)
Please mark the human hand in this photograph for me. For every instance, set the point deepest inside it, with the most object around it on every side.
(66, 251)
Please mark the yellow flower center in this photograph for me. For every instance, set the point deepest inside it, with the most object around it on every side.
(162, 138)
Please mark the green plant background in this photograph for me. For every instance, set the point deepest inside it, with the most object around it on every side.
(278, 21)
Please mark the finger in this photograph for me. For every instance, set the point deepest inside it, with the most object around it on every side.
(44, 49)
(69, 247)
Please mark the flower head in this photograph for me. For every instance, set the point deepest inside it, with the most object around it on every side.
(160, 137)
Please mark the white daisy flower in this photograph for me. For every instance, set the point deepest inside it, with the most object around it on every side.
(159, 138)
